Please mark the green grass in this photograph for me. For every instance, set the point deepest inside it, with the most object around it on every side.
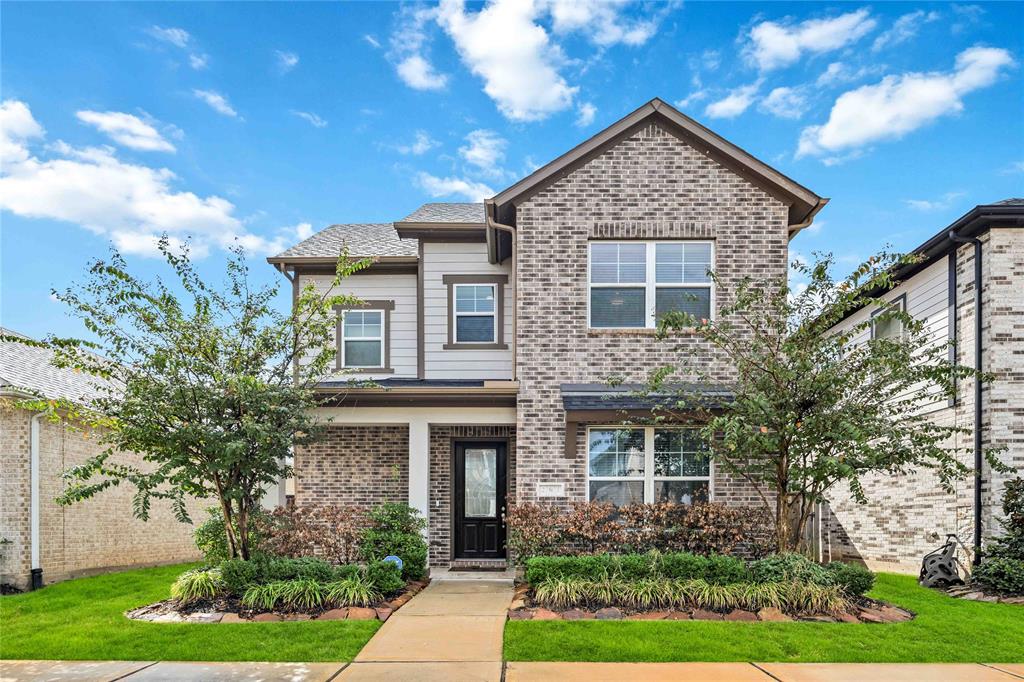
(945, 630)
(84, 619)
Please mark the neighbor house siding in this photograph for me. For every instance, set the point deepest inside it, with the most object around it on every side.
(460, 258)
(649, 185)
(88, 536)
(400, 288)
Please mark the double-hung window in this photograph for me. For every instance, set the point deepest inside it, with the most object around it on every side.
(362, 339)
(475, 313)
(647, 464)
(633, 284)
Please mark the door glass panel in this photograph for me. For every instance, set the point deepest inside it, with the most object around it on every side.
(481, 482)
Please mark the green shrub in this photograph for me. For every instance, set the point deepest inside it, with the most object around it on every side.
(356, 590)
(811, 598)
(1011, 544)
(1002, 575)
(396, 528)
(195, 585)
(306, 568)
(635, 566)
(854, 580)
(303, 593)
(683, 565)
(239, 574)
(384, 576)
(346, 571)
(212, 540)
(539, 569)
(724, 570)
(264, 597)
(564, 592)
(790, 566)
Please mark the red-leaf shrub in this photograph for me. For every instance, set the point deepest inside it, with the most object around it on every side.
(327, 531)
(599, 527)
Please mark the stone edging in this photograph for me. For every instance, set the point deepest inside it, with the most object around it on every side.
(975, 593)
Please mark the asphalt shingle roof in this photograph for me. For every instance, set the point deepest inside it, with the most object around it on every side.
(634, 396)
(362, 239)
(30, 369)
(1010, 202)
(447, 213)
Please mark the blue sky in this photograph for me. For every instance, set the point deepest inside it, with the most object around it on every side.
(262, 122)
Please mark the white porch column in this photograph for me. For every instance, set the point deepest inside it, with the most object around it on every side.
(419, 465)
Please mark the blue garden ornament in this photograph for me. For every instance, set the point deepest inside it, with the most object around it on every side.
(395, 560)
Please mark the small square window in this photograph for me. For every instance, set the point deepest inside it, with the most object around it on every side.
(885, 326)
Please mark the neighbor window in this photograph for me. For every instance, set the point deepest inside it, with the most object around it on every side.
(633, 284)
(886, 327)
(647, 464)
(475, 313)
(362, 333)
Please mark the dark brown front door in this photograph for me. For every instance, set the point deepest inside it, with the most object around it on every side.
(480, 479)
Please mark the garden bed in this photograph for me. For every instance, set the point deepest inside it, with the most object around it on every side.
(231, 610)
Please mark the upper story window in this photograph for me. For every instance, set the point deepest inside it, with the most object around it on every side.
(364, 337)
(647, 464)
(633, 284)
(475, 313)
(888, 327)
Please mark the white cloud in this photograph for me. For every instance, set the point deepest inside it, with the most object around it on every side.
(178, 37)
(692, 98)
(286, 61)
(421, 144)
(901, 104)
(940, 204)
(216, 101)
(445, 187)
(735, 103)
(585, 114)
(601, 21)
(503, 44)
(774, 45)
(303, 230)
(131, 204)
(903, 29)
(373, 42)
(311, 118)
(127, 130)
(967, 16)
(485, 149)
(785, 102)
(419, 74)
(181, 39)
(1015, 167)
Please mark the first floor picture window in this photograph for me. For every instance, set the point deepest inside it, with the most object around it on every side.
(362, 334)
(647, 464)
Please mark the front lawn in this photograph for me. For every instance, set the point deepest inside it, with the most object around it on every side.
(84, 619)
(945, 630)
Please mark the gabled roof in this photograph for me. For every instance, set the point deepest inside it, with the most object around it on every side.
(364, 240)
(803, 202)
(30, 370)
(447, 212)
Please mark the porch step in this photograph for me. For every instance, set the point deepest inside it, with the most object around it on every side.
(506, 576)
(479, 565)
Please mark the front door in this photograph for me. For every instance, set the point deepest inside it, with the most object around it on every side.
(480, 478)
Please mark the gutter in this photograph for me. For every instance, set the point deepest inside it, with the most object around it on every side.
(490, 209)
(36, 573)
(978, 367)
(808, 218)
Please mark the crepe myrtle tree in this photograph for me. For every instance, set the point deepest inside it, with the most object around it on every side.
(815, 405)
(202, 381)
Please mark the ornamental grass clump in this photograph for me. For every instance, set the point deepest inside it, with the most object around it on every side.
(197, 585)
(356, 590)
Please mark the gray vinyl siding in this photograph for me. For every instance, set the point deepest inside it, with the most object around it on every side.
(440, 259)
(398, 288)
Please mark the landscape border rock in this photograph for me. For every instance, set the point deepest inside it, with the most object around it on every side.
(977, 593)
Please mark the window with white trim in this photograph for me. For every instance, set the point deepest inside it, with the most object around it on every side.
(649, 464)
(475, 313)
(633, 284)
(888, 327)
(362, 338)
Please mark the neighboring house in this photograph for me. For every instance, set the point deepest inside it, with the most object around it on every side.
(909, 515)
(491, 330)
(41, 541)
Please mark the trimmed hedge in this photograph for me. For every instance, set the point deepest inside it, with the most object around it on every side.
(239, 575)
(998, 574)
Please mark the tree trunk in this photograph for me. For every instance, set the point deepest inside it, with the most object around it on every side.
(243, 529)
(229, 528)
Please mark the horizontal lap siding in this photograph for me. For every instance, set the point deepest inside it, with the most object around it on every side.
(440, 259)
(398, 288)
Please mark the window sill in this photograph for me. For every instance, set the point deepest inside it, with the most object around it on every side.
(597, 333)
(475, 346)
(366, 370)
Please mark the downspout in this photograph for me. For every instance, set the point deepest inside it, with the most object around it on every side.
(489, 209)
(36, 573)
(978, 366)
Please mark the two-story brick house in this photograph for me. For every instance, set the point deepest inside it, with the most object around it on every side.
(491, 330)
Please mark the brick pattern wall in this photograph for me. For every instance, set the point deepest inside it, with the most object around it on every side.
(361, 466)
(650, 185)
(441, 437)
(909, 515)
(86, 537)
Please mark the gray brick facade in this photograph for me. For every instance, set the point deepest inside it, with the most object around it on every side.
(649, 185)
